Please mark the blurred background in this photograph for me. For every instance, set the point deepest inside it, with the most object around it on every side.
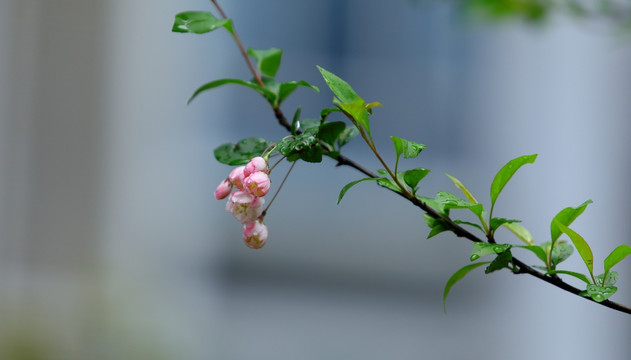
(113, 247)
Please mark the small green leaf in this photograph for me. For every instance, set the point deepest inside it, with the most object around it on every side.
(612, 278)
(287, 88)
(213, 84)
(347, 135)
(457, 276)
(388, 184)
(351, 184)
(339, 87)
(268, 60)
(497, 222)
(330, 131)
(460, 222)
(241, 152)
(436, 225)
(413, 176)
(521, 232)
(304, 146)
(199, 22)
(560, 252)
(501, 262)
(409, 149)
(616, 256)
(463, 188)
(537, 250)
(481, 249)
(451, 201)
(357, 113)
(566, 217)
(506, 172)
(581, 246)
(295, 122)
(600, 293)
(571, 273)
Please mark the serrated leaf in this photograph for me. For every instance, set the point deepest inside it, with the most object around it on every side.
(330, 131)
(521, 232)
(463, 188)
(566, 217)
(481, 249)
(600, 293)
(268, 60)
(537, 250)
(617, 255)
(350, 185)
(413, 176)
(339, 87)
(241, 152)
(457, 276)
(571, 273)
(506, 173)
(409, 149)
(501, 262)
(199, 22)
(213, 84)
(560, 252)
(581, 246)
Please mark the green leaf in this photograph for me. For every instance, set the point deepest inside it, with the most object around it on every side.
(581, 246)
(600, 293)
(610, 280)
(537, 250)
(295, 122)
(501, 261)
(481, 249)
(199, 22)
(330, 131)
(560, 252)
(409, 149)
(460, 222)
(436, 225)
(339, 87)
(521, 232)
(213, 84)
(305, 146)
(457, 276)
(241, 152)
(347, 135)
(268, 60)
(506, 172)
(389, 184)
(413, 176)
(497, 222)
(616, 256)
(463, 188)
(566, 217)
(357, 113)
(571, 273)
(351, 184)
(451, 201)
(287, 88)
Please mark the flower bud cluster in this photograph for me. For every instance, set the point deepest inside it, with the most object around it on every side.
(252, 182)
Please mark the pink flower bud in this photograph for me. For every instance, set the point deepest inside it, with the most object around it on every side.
(255, 234)
(236, 177)
(223, 190)
(257, 184)
(244, 206)
(256, 164)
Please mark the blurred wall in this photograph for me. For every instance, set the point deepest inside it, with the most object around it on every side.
(112, 246)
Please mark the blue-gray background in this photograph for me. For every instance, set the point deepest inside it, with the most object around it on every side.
(113, 247)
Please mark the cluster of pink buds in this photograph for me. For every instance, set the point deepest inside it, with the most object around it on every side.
(246, 204)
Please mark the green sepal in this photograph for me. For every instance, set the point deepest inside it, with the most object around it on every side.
(351, 184)
(506, 173)
(457, 276)
(566, 217)
(571, 273)
(241, 152)
(268, 60)
(199, 22)
(501, 262)
(481, 249)
(600, 293)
